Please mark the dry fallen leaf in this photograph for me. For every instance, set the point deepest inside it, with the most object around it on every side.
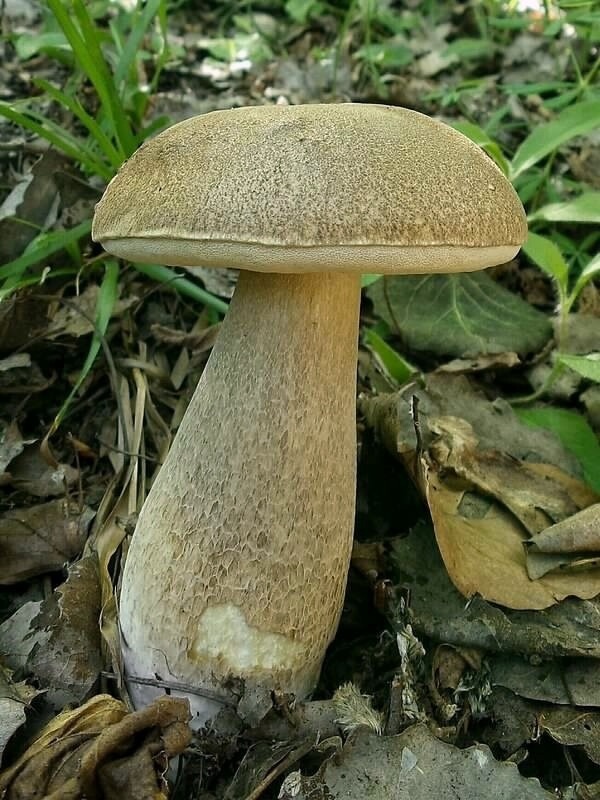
(579, 533)
(66, 658)
(572, 726)
(14, 698)
(76, 318)
(489, 484)
(411, 766)
(40, 539)
(482, 547)
(96, 752)
(30, 473)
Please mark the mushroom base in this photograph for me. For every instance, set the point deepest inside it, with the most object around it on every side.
(235, 578)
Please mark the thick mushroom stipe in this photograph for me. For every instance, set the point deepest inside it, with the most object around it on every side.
(239, 562)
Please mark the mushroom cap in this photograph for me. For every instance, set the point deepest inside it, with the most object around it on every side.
(342, 187)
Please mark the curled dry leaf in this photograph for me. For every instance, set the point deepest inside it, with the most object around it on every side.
(481, 363)
(41, 538)
(96, 751)
(571, 545)
(31, 473)
(482, 547)
(14, 698)
(489, 483)
(65, 658)
(579, 533)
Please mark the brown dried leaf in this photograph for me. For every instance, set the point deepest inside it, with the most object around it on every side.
(537, 500)
(579, 533)
(472, 444)
(572, 726)
(14, 698)
(482, 547)
(483, 362)
(11, 444)
(66, 658)
(41, 539)
(95, 752)
(77, 317)
(31, 473)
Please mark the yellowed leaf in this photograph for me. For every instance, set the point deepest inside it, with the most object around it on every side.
(484, 554)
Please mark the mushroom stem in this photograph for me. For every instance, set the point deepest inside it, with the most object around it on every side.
(238, 565)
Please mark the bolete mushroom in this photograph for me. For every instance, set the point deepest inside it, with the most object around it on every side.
(238, 564)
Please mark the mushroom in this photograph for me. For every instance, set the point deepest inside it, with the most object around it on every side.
(235, 577)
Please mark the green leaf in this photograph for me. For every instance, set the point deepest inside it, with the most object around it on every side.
(368, 279)
(302, 10)
(463, 315)
(386, 55)
(27, 45)
(588, 273)
(585, 208)
(481, 138)
(574, 433)
(574, 121)
(466, 48)
(587, 366)
(390, 361)
(543, 252)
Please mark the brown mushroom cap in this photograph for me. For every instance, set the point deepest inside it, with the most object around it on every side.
(311, 188)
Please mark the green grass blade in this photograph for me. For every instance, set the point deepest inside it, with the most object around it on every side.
(392, 363)
(107, 298)
(575, 120)
(75, 107)
(105, 79)
(13, 284)
(84, 43)
(46, 129)
(182, 285)
(43, 246)
(481, 138)
(141, 23)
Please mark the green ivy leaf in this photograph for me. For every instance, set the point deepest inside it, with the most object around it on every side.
(463, 315)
